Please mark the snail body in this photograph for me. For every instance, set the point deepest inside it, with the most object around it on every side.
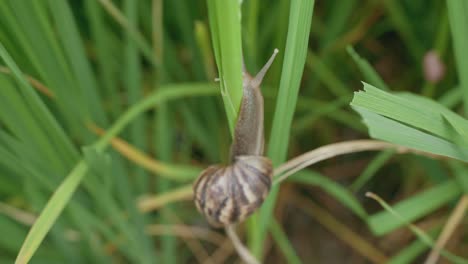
(229, 194)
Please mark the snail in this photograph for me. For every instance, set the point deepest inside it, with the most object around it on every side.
(228, 194)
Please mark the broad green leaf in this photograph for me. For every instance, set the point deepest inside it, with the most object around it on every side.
(412, 110)
(392, 131)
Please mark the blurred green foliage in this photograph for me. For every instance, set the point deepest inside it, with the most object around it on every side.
(144, 70)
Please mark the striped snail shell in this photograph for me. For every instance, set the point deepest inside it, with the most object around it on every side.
(229, 194)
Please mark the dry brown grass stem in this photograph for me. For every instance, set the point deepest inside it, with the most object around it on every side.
(340, 230)
(451, 225)
(20, 216)
(243, 252)
(185, 231)
(154, 202)
(335, 149)
(34, 83)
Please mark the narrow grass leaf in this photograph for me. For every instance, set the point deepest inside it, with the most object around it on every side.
(133, 87)
(373, 166)
(451, 98)
(411, 252)
(50, 213)
(107, 63)
(327, 76)
(44, 117)
(75, 52)
(335, 190)
(135, 34)
(414, 207)
(419, 233)
(300, 20)
(370, 74)
(66, 189)
(283, 243)
(457, 10)
(225, 22)
(403, 25)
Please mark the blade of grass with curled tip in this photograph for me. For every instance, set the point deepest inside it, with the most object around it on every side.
(225, 23)
(63, 193)
(340, 230)
(412, 251)
(414, 207)
(300, 20)
(422, 236)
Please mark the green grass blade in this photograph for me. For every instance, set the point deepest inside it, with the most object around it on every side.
(389, 130)
(414, 207)
(369, 73)
(452, 97)
(66, 189)
(225, 23)
(50, 213)
(74, 50)
(402, 23)
(44, 117)
(411, 110)
(300, 20)
(133, 84)
(136, 36)
(410, 252)
(457, 10)
(327, 76)
(50, 63)
(107, 63)
(283, 243)
(419, 233)
(335, 190)
(377, 163)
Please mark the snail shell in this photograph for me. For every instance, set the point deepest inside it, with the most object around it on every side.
(229, 194)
